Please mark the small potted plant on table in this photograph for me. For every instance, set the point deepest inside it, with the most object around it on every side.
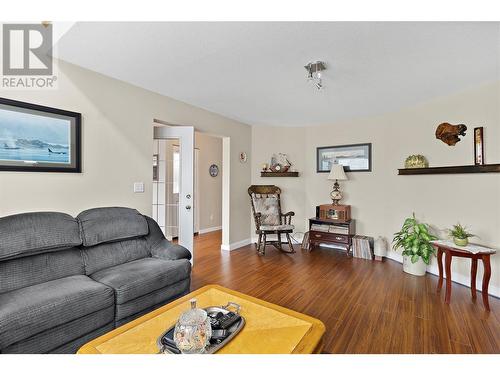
(414, 238)
(460, 235)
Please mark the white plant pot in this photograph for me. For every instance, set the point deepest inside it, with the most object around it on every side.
(418, 269)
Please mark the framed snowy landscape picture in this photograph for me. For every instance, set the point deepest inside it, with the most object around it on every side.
(354, 158)
(39, 139)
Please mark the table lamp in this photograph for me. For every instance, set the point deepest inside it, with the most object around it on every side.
(337, 173)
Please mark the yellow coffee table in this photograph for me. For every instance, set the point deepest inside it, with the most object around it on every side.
(269, 328)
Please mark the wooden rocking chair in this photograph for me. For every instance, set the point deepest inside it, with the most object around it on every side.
(266, 209)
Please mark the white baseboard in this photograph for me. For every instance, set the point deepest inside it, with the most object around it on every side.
(208, 230)
(458, 278)
(236, 245)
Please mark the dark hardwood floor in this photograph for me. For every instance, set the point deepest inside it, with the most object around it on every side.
(367, 307)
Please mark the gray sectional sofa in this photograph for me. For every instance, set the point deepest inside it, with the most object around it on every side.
(65, 281)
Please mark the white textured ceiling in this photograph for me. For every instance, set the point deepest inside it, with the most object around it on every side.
(253, 72)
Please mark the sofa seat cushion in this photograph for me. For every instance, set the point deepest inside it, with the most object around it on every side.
(51, 339)
(34, 309)
(130, 310)
(139, 277)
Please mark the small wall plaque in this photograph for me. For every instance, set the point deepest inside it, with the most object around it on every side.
(213, 170)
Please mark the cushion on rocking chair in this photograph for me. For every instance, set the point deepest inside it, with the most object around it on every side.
(267, 206)
(277, 227)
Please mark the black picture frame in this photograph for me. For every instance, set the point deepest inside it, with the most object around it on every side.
(320, 165)
(74, 147)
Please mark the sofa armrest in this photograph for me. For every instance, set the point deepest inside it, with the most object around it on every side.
(162, 248)
(169, 251)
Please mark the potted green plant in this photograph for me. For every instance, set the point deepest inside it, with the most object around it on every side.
(460, 235)
(414, 238)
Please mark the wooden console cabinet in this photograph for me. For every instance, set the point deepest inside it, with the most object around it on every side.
(343, 239)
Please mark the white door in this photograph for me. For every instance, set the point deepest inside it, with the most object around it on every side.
(185, 136)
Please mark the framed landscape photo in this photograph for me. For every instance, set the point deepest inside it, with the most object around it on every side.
(354, 158)
(35, 138)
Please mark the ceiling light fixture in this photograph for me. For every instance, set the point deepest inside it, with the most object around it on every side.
(314, 74)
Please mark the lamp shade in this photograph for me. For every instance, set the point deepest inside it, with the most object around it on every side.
(337, 172)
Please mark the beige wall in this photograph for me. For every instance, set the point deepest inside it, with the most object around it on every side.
(210, 188)
(267, 141)
(117, 139)
(381, 199)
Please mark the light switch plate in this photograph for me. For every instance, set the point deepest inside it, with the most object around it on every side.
(138, 187)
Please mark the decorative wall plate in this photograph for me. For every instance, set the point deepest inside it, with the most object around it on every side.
(213, 170)
(243, 157)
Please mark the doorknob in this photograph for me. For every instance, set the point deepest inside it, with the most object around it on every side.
(188, 196)
(188, 207)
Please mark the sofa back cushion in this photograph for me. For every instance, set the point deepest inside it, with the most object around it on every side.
(110, 254)
(37, 232)
(110, 224)
(40, 268)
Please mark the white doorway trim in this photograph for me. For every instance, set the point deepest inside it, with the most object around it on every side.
(196, 198)
(226, 186)
(226, 193)
(185, 135)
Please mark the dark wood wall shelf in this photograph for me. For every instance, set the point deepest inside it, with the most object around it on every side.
(279, 174)
(486, 168)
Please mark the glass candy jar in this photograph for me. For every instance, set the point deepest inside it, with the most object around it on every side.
(193, 330)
